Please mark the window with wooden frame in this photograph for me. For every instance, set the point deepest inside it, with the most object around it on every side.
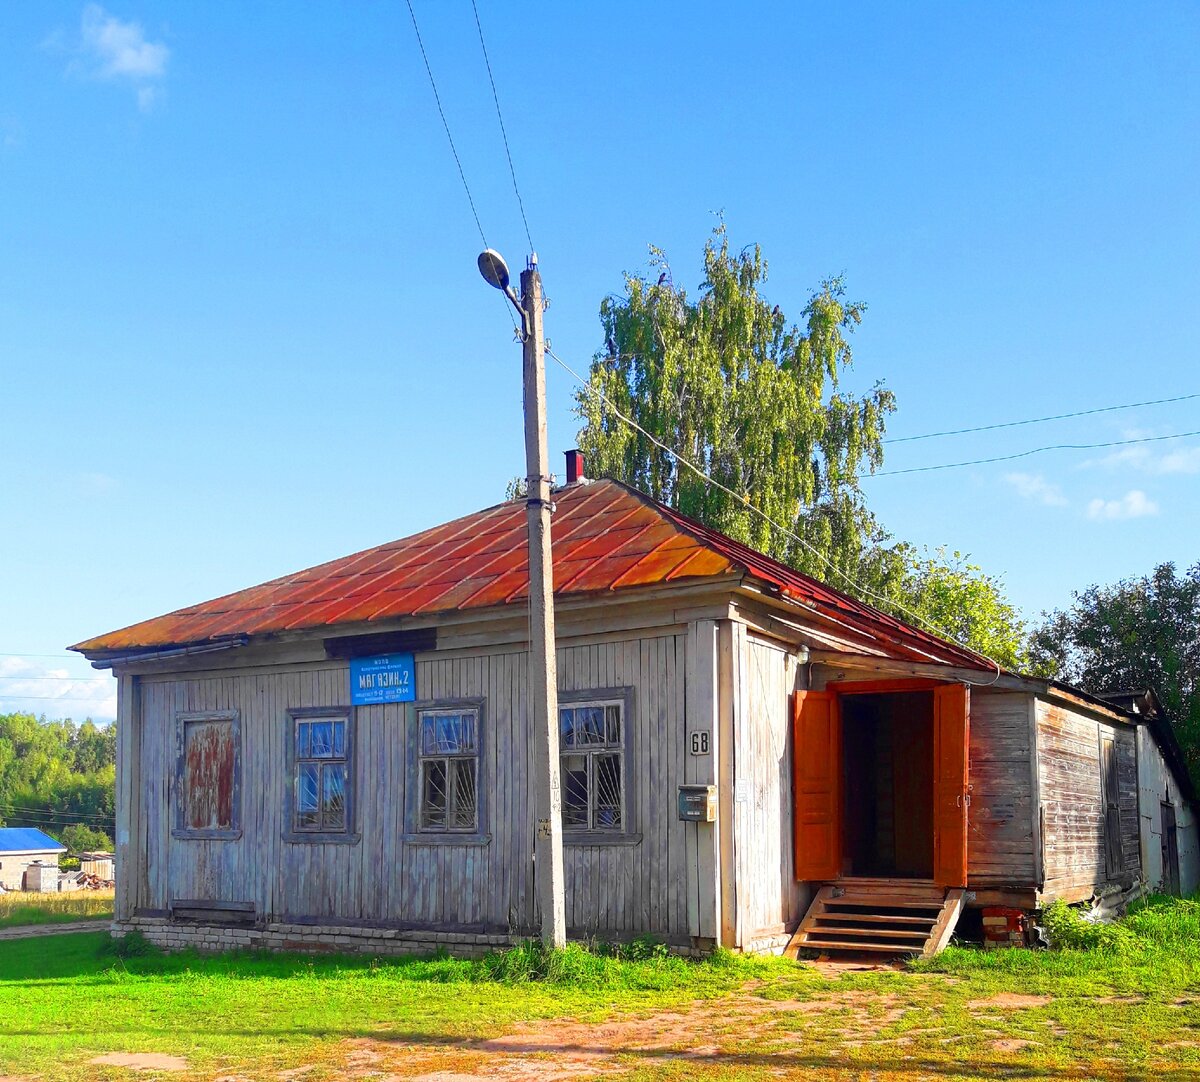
(208, 775)
(321, 768)
(448, 769)
(593, 735)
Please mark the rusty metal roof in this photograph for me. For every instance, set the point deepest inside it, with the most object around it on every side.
(607, 537)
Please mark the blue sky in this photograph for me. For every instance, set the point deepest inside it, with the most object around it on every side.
(241, 328)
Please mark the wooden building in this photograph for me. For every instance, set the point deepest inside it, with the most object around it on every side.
(341, 758)
(23, 848)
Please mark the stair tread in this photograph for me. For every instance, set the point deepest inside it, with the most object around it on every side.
(883, 903)
(866, 945)
(877, 918)
(867, 933)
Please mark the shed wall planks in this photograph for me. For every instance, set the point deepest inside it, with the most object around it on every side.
(1000, 820)
(1072, 797)
(382, 877)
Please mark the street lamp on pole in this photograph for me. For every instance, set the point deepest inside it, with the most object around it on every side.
(543, 675)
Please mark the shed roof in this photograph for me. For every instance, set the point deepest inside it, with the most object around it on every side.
(28, 840)
(608, 537)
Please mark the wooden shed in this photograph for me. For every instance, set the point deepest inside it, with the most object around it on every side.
(341, 758)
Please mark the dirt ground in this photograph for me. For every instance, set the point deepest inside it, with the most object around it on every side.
(715, 1033)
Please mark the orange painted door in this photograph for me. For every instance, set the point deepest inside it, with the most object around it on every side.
(817, 777)
(951, 788)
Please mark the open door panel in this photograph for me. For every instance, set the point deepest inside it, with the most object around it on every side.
(817, 771)
(951, 787)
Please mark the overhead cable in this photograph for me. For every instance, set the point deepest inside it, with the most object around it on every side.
(1026, 454)
(745, 500)
(1041, 420)
(503, 133)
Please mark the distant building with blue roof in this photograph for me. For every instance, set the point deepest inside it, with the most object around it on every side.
(19, 848)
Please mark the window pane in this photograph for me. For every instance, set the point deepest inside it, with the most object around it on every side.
(339, 740)
(306, 795)
(612, 715)
(589, 725)
(447, 734)
(575, 791)
(333, 807)
(454, 734)
(303, 743)
(566, 728)
(608, 791)
(433, 793)
(322, 739)
(464, 793)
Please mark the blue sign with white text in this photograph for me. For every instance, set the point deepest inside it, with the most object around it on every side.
(391, 678)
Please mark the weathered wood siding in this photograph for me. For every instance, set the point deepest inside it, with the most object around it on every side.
(769, 900)
(610, 888)
(1157, 785)
(1071, 786)
(1001, 819)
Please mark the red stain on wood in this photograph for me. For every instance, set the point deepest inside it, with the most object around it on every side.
(208, 765)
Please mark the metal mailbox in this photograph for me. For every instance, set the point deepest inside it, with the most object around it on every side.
(698, 803)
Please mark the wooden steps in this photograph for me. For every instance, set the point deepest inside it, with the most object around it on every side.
(884, 916)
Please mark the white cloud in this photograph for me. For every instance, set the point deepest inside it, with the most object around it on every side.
(1152, 460)
(1033, 486)
(36, 688)
(121, 49)
(1134, 504)
(115, 51)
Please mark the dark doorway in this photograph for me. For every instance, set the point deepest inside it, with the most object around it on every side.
(1170, 849)
(887, 765)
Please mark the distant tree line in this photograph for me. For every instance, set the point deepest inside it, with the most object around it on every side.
(59, 776)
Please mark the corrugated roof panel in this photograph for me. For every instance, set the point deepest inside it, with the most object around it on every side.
(27, 840)
(606, 537)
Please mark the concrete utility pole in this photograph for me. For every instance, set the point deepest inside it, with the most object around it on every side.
(543, 668)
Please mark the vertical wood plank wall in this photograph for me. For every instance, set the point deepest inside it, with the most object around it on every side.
(1002, 816)
(610, 888)
(769, 900)
(1157, 785)
(1071, 787)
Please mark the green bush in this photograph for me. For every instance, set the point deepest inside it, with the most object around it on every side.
(1155, 923)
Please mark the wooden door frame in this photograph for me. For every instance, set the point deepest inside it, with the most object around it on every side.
(885, 687)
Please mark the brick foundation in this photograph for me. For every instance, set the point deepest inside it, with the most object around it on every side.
(322, 939)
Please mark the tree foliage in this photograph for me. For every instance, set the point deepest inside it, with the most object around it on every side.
(57, 773)
(755, 402)
(1138, 633)
(968, 605)
(752, 400)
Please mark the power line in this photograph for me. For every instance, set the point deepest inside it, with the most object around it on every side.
(454, 150)
(68, 679)
(1041, 420)
(446, 124)
(60, 698)
(767, 518)
(1026, 454)
(73, 657)
(43, 812)
(500, 116)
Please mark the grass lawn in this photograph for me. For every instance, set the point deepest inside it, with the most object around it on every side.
(19, 907)
(1128, 1007)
